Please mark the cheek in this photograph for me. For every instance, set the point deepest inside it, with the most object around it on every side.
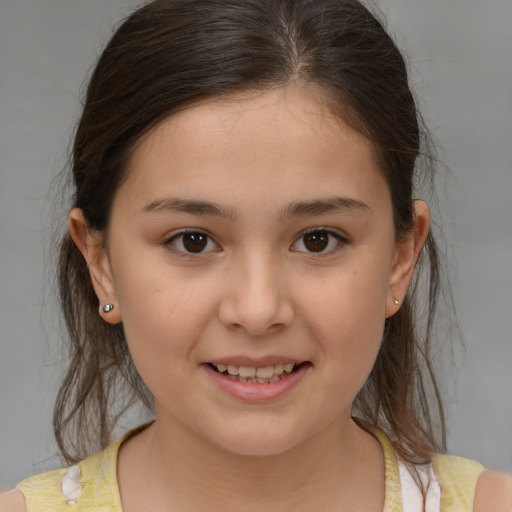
(163, 315)
(351, 328)
(162, 334)
(352, 296)
(170, 318)
(346, 313)
(151, 293)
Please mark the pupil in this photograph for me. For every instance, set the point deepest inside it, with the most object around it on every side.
(194, 242)
(316, 242)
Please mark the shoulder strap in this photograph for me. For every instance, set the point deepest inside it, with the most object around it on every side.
(99, 481)
(457, 478)
(393, 496)
(43, 492)
(97, 478)
(93, 482)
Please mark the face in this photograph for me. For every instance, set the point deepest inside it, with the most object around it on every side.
(252, 259)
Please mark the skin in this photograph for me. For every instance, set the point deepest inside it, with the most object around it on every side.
(256, 291)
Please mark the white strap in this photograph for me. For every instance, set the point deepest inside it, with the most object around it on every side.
(71, 487)
(412, 495)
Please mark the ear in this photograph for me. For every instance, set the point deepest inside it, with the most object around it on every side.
(91, 245)
(406, 256)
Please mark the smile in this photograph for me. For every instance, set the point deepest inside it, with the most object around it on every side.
(263, 375)
(256, 381)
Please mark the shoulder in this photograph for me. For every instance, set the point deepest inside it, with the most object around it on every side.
(467, 482)
(43, 492)
(459, 472)
(12, 501)
(493, 493)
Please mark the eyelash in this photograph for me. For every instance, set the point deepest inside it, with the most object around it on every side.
(340, 242)
(170, 242)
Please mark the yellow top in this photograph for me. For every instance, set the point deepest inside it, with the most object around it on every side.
(97, 488)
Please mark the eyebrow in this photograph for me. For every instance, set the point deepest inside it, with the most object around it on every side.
(192, 207)
(322, 206)
(293, 210)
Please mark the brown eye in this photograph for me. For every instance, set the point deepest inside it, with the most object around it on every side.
(317, 241)
(195, 242)
(192, 242)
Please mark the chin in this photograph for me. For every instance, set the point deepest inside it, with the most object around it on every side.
(258, 441)
(258, 448)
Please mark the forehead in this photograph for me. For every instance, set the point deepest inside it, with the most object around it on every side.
(283, 136)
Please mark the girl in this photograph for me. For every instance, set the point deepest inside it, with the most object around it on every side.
(244, 256)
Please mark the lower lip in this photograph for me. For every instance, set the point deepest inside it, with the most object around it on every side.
(251, 392)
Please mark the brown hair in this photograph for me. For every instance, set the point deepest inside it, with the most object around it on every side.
(172, 54)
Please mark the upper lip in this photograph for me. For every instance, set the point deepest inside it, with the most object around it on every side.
(260, 362)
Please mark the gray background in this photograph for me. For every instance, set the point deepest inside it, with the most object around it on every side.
(462, 69)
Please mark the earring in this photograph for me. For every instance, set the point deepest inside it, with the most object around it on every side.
(397, 302)
(107, 308)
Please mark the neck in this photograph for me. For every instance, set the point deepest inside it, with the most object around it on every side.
(337, 466)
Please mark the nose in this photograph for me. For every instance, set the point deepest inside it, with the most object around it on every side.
(256, 299)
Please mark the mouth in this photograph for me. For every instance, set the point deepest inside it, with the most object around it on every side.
(257, 375)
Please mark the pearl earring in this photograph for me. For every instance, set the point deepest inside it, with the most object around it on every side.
(107, 308)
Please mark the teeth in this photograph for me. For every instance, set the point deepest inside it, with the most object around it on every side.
(265, 373)
(279, 369)
(246, 371)
(251, 374)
